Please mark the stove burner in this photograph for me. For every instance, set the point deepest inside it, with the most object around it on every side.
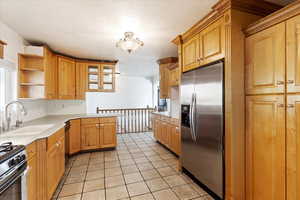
(5, 147)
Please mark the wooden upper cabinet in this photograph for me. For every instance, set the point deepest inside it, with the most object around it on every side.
(293, 147)
(190, 54)
(81, 80)
(50, 74)
(265, 61)
(174, 77)
(90, 136)
(164, 78)
(66, 78)
(265, 147)
(212, 42)
(74, 136)
(293, 55)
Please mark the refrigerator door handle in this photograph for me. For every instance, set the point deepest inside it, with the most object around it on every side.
(192, 118)
(194, 113)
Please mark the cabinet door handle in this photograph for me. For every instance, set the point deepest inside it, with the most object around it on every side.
(281, 105)
(290, 105)
(280, 82)
(290, 81)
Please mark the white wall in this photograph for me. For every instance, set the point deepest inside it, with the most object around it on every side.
(131, 92)
(175, 102)
(15, 45)
(59, 107)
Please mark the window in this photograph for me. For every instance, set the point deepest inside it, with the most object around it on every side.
(8, 85)
(2, 88)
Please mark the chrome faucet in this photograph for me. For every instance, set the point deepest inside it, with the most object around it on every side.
(8, 116)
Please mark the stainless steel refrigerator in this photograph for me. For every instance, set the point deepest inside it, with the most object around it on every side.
(202, 123)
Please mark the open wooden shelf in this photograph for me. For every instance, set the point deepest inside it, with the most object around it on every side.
(31, 76)
(31, 56)
(94, 73)
(32, 84)
(32, 69)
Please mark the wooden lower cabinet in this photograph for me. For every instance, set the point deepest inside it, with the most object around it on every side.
(167, 133)
(265, 147)
(175, 140)
(90, 138)
(51, 171)
(107, 135)
(74, 136)
(97, 134)
(55, 161)
(32, 173)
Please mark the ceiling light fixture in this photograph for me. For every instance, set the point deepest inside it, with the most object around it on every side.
(128, 43)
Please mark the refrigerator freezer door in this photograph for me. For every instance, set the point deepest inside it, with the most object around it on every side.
(208, 167)
(187, 134)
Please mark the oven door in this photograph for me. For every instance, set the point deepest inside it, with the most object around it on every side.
(13, 186)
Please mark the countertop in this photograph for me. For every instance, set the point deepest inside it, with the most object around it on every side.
(43, 127)
(166, 114)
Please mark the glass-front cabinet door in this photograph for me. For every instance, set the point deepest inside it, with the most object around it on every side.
(94, 77)
(101, 77)
(108, 78)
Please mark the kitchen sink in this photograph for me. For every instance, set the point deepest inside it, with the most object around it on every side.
(29, 130)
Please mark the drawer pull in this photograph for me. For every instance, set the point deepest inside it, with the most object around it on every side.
(280, 82)
(290, 105)
(281, 105)
(290, 81)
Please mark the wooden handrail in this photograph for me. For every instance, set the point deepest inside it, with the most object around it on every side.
(131, 120)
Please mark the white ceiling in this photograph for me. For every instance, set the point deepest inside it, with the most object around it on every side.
(91, 28)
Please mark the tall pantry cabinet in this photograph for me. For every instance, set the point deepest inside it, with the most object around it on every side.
(273, 106)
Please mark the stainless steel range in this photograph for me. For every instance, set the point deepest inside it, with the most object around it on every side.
(13, 167)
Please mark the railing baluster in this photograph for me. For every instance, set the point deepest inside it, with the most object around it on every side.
(132, 119)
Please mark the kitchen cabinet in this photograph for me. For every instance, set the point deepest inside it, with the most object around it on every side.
(74, 136)
(265, 61)
(107, 136)
(174, 76)
(32, 171)
(293, 147)
(51, 74)
(55, 161)
(206, 47)
(101, 77)
(293, 54)
(66, 78)
(165, 78)
(212, 42)
(166, 132)
(90, 138)
(175, 140)
(98, 133)
(81, 80)
(190, 54)
(265, 147)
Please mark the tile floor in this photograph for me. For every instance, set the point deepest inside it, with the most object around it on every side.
(139, 169)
